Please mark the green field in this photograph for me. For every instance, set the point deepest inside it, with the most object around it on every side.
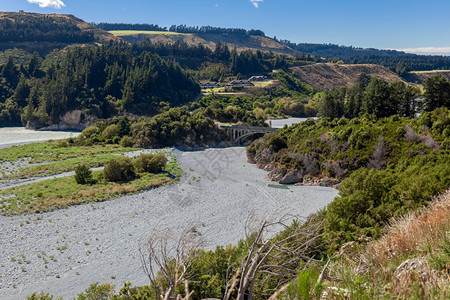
(136, 32)
(430, 72)
(263, 84)
(55, 157)
(62, 192)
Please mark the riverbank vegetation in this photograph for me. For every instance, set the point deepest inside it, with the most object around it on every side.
(101, 81)
(409, 261)
(120, 176)
(54, 157)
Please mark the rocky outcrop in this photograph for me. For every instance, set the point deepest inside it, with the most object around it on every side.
(293, 176)
(277, 174)
(72, 120)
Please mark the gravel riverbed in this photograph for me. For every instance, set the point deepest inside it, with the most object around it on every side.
(63, 251)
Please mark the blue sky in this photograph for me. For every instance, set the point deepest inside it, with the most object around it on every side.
(386, 24)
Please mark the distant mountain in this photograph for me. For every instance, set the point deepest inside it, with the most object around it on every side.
(332, 50)
(400, 62)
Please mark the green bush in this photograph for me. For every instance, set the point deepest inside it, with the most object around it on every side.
(126, 141)
(277, 143)
(40, 296)
(119, 169)
(83, 175)
(111, 131)
(98, 292)
(90, 132)
(151, 163)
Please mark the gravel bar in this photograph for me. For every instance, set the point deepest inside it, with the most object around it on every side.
(64, 251)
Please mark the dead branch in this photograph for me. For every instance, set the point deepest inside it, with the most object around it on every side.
(166, 259)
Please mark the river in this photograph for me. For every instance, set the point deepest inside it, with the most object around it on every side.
(16, 135)
(64, 251)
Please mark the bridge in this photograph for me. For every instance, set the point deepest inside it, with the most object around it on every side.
(239, 133)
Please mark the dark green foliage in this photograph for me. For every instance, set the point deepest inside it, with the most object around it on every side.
(119, 169)
(375, 97)
(214, 30)
(126, 141)
(151, 163)
(397, 61)
(277, 143)
(41, 296)
(175, 127)
(24, 27)
(368, 199)
(388, 166)
(100, 80)
(83, 175)
(437, 93)
(125, 26)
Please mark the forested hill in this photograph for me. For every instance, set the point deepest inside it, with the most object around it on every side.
(238, 41)
(101, 81)
(333, 50)
(399, 62)
(45, 31)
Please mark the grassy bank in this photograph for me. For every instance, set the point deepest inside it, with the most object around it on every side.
(56, 151)
(62, 192)
(56, 157)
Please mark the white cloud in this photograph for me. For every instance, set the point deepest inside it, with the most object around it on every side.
(256, 2)
(48, 3)
(427, 50)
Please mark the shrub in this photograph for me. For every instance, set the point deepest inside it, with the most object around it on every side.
(119, 169)
(90, 132)
(151, 163)
(126, 141)
(97, 291)
(40, 296)
(111, 131)
(277, 143)
(83, 175)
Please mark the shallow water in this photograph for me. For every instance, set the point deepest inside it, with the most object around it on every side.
(13, 135)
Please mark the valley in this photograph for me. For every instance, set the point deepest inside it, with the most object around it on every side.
(217, 163)
(64, 251)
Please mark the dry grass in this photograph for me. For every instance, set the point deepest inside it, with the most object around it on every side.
(414, 232)
(326, 76)
(402, 263)
(136, 32)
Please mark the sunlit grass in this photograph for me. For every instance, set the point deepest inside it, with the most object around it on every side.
(55, 151)
(135, 32)
(62, 192)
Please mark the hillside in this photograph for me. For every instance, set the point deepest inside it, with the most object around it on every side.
(421, 76)
(44, 32)
(326, 76)
(242, 43)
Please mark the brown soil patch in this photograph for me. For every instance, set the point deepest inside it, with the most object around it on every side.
(326, 76)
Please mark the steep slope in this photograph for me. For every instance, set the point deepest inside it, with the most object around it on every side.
(209, 40)
(422, 76)
(326, 76)
(44, 32)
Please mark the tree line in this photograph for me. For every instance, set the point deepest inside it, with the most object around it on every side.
(182, 28)
(378, 98)
(400, 62)
(127, 26)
